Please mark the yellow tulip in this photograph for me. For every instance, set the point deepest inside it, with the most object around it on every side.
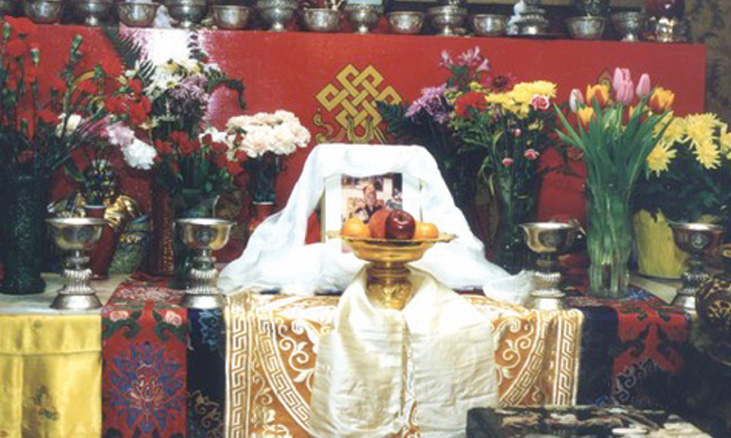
(661, 100)
(585, 115)
(599, 92)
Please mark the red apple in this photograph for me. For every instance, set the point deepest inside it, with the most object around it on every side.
(377, 223)
(400, 225)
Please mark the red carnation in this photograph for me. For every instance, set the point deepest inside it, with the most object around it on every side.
(22, 26)
(207, 139)
(471, 100)
(115, 105)
(164, 147)
(219, 148)
(136, 86)
(233, 167)
(31, 74)
(87, 87)
(188, 147)
(139, 111)
(241, 156)
(16, 48)
(58, 84)
(47, 116)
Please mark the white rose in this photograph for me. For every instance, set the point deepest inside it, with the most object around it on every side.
(71, 125)
(256, 142)
(284, 140)
(139, 155)
(239, 122)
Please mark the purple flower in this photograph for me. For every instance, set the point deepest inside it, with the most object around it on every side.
(446, 59)
(120, 135)
(191, 88)
(432, 102)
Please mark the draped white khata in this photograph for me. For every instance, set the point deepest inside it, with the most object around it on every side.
(377, 367)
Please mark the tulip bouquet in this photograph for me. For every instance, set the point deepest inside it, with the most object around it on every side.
(616, 131)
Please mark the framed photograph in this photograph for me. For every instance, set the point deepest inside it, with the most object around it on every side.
(348, 196)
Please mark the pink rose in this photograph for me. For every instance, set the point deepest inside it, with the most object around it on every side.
(173, 318)
(531, 154)
(540, 103)
(118, 315)
(507, 162)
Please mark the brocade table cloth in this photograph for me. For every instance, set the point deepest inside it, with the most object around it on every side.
(271, 345)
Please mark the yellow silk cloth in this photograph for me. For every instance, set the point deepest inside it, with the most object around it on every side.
(50, 376)
(272, 346)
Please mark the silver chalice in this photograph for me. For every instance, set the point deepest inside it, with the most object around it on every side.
(548, 240)
(697, 239)
(363, 17)
(406, 22)
(93, 12)
(188, 13)
(137, 14)
(489, 25)
(447, 19)
(76, 236)
(204, 235)
(629, 24)
(277, 12)
(231, 16)
(586, 27)
(43, 11)
(321, 19)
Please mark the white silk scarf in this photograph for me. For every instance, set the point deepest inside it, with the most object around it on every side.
(378, 364)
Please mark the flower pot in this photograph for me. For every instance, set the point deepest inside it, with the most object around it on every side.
(25, 233)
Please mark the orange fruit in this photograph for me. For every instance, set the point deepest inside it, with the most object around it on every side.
(355, 227)
(426, 230)
(377, 223)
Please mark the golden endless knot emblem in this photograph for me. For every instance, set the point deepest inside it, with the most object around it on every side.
(354, 99)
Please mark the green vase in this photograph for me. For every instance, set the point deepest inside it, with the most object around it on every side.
(609, 242)
(24, 214)
(189, 204)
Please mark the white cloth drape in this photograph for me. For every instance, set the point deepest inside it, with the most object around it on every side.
(375, 363)
(276, 256)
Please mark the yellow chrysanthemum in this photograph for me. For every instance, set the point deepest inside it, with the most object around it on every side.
(724, 139)
(503, 99)
(660, 158)
(674, 132)
(544, 88)
(707, 154)
(699, 128)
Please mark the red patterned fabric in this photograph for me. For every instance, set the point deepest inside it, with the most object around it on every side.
(144, 334)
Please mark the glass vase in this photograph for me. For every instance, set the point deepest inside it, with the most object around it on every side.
(509, 250)
(24, 214)
(259, 212)
(609, 242)
(190, 203)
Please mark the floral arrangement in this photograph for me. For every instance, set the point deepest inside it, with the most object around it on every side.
(264, 138)
(482, 124)
(688, 171)
(41, 124)
(616, 129)
(164, 108)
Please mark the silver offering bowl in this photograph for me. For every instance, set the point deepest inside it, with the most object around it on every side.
(76, 236)
(188, 13)
(447, 18)
(489, 25)
(8, 7)
(586, 28)
(205, 236)
(137, 14)
(697, 239)
(667, 30)
(277, 12)
(363, 17)
(548, 240)
(322, 19)
(93, 11)
(43, 11)
(231, 16)
(406, 22)
(629, 24)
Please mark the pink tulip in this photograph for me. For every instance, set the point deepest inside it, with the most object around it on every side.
(643, 86)
(507, 161)
(576, 100)
(624, 88)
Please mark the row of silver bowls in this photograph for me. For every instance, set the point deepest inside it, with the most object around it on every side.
(628, 24)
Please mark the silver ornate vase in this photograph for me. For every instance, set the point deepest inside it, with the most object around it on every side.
(277, 12)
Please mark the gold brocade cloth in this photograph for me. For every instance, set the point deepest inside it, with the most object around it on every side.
(50, 376)
(272, 346)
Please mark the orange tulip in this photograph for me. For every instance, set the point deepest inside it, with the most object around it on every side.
(661, 100)
(599, 92)
(585, 115)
